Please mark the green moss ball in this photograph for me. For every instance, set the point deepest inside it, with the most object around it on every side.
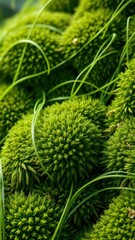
(31, 217)
(120, 149)
(66, 143)
(80, 31)
(123, 104)
(68, 146)
(75, 40)
(13, 106)
(92, 109)
(19, 161)
(33, 61)
(118, 222)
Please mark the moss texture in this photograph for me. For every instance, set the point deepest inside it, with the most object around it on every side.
(123, 104)
(120, 148)
(19, 161)
(59, 83)
(33, 61)
(131, 38)
(62, 5)
(59, 20)
(87, 212)
(66, 142)
(13, 106)
(78, 35)
(31, 217)
(93, 5)
(117, 222)
(90, 108)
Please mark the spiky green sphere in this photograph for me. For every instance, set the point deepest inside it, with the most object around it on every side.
(31, 217)
(118, 222)
(19, 161)
(78, 34)
(62, 5)
(120, 149)
(90, 108)
(13, 106)
(66, 142)
(33, 61)
(123, 104)
(80, 31)
(68, 146)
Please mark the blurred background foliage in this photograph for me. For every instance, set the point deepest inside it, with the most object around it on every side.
(9, 7)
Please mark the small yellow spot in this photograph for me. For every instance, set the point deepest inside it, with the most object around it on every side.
(75, 41)
(131, 213)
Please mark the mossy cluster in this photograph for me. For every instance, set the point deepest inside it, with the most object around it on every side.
(92, 5)
(85, 210)
(120, 148)
(34, 61)
(19, 156)
(117, 222)
(66, 152)
(65, 140)
(31, 217)
(42, 51)
(67, 105)
(123, 104)
(13, 106)
(79, 40)
(61, 85)
(92, 109)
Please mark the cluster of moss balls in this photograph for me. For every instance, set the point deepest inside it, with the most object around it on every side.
(54, 137)
(66, 151)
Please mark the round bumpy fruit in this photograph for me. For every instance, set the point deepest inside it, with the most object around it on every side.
(118, 222)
